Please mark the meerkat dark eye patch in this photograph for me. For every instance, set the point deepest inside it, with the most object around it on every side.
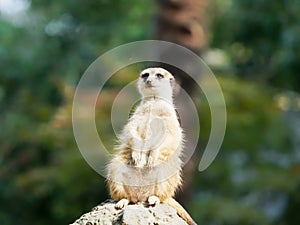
(145, 75)
(159, 75)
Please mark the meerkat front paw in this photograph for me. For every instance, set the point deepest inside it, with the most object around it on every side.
(143, 161)
(139, 159)
(153, 200)
(136, 157)
(152, 160)
(122, 203)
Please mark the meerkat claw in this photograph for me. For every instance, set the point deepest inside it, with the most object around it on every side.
(153, 200)
(136, 157)
(122, 203)
(150, 162)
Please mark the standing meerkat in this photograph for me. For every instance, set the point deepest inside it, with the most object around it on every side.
(147, 163)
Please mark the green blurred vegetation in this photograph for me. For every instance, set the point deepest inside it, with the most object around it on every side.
(261, 38)
(44, 51)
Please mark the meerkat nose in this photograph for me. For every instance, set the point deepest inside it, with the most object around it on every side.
(148, 82)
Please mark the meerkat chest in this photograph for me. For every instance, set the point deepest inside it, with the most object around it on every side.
(154, 117)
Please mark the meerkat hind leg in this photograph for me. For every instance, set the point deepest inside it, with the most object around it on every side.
(122, 203)
(153, 200)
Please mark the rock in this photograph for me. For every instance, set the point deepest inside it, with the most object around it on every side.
(135, 214)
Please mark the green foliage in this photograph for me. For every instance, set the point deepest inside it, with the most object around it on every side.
(256, 169)
(43, 177)
(261, 37)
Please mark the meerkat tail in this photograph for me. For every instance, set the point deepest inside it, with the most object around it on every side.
(180, 210)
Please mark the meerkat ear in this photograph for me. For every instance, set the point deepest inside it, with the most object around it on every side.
(175, 86)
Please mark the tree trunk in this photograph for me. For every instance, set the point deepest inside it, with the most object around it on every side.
(183, 22)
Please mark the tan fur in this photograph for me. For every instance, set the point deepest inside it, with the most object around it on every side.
(147, 165)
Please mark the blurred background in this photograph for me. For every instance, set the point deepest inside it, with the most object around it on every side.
(253, 47)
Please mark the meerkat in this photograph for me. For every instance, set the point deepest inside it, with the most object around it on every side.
(147, 165)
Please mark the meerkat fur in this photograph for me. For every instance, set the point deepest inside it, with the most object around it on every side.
(147, 164)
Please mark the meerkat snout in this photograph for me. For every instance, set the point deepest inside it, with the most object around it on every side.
(148, 82)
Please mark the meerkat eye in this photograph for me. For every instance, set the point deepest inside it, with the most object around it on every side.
(145, 75)
(159, 75)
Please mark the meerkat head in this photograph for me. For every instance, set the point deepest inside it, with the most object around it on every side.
(156, 82)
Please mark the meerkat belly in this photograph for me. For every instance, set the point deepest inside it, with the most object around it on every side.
(153, 121)
(153, 134)
(163, 189)
(151, 131)
(138, 184)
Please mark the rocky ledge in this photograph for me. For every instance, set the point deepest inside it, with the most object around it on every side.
(137, 214)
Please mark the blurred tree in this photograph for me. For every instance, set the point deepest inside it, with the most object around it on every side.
(261, 38)
(43, 177)
(43, 53)
(257, 170)
(184, 23)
